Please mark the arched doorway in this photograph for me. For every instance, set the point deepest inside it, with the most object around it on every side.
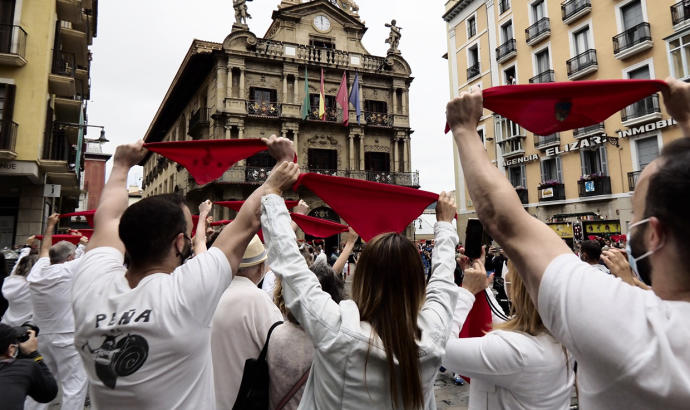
(331, 243)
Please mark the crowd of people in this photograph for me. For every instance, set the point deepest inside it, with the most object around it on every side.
(146, 315)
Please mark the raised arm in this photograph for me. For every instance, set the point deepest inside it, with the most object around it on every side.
(302, 208)
(528, 242)
(347, 251)
(47, 241)
(114, 198)
(235, 237)
(677, 101)
(200, 236)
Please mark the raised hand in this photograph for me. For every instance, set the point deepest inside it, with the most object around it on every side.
(282, 178)
(465, 110)
(302, 208)
(475, 279)
(205, 207)
(53, 220)
(352, 236)
(677, 99)
(617, 262)
(129, 155)
(445, 207)
(280, 148)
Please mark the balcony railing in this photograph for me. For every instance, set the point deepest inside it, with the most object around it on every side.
(505, 49)
(544, 141)
(263, 109)
(12, 40)
(473, 71)
(523, 194)
(383, 177)
(547, 76)
(199, 120)
(540, 29)
(680, 12)
(632, 37)
(590, 130)
(582, 62)
(378, 119)
(554, 191)
(646, 106)
(317, 55)
(8, 136)
(593, 186)
(327, 171)
(574, 7)
(330, 115)
(257, 174)
(503, 6)
(56, 147)
(632, 179)
(64, 64)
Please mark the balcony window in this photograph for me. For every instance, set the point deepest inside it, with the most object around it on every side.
(647, 150)
(322, 159)
(547, 76)
(471, 27)
(680, 12)
(595, 129)
(507, 129)
(574, 9)
(503, 6)
(321, 42)
(551, 170)
(648, 106)
(632, 40)
(593, 185)
(8, 129)
(542, 64)
(12, 42)
(330, 106)
(680, 56)
(506, 50)
(582, 64)
(544, 141)
(594, 162)
(632, 179)
(517, 176)
(473, 69)
(538, 31)
(509, 76)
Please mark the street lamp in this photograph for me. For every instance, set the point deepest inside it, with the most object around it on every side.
(100, 140)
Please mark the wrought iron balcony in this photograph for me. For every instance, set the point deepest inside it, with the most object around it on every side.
(56, 146)
(574, 9)
(13, 43)
(538, 31)
(384, 177)
(473, 71)
(595, 129)
(582, 64)
(632, 179)
(331, 172)
(680, 12)
(547, 76)
(506, 50)
(199, 122)
(257, 174)
(633, 40)
(523, 194)
(378, 119)
(263, 109)
(648, 106)
(545, 141)
(551, 191)
(593, 185)
(503, 5)
(64, 64)
(8, 137)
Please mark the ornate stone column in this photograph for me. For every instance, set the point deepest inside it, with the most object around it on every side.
(285, 88)
(242, 95)
(221, 76)
(228, 88)
(296, 89)
(361, 152)
(396, 160)
(406, 153)
(404, 102)
(352, 152)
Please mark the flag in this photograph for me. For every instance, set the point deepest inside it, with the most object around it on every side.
(306, 105)
(354, 97)
(341, 99)
(322, 100)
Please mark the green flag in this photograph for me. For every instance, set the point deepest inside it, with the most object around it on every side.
(306, 104)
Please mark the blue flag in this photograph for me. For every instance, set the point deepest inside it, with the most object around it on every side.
(354, 97)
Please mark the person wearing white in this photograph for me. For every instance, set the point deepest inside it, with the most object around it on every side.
(630, 344)
(15, 289)
(240, 324)
(347, 352)
(515, 368)
(50, 283)
(144, 331)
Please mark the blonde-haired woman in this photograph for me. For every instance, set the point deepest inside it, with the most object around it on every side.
(383, 348)
(518, 365)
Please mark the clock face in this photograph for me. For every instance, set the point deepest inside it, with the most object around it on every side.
(322, 23)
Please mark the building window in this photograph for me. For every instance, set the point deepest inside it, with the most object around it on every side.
(509, 76)
(506, 128)
(679, 49)
(641, 73)
(473, 69)
(504, 5)
(507, 31)
(647, 150)
(517, 176)
(542, 61)
(538, 10)
(551, 170)
(594, 161)
(263, 95)
(631, 14)
(480, 132)
(471, 27)
(322, 159)
(321, 42)
(581, 40)
(376, 106)
(6, 113)
(377, 161)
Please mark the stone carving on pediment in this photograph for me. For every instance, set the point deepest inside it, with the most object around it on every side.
(377, 148)
(323, 140)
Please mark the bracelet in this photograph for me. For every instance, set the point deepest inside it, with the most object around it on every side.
(37, 358)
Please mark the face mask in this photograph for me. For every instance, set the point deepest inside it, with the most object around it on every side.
(643, 271)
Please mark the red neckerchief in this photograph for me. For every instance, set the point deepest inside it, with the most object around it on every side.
(88, 214)
(236, 205)
(317, 227)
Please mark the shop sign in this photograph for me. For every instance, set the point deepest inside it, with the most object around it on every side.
(26, 168)
(652, 126)
(577, 145)
(547, 193)
(606, 227)
(522, 160)
(563, 230)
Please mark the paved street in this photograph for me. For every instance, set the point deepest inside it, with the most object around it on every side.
(450, 396)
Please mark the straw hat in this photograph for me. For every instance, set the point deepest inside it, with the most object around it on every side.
(255, 253)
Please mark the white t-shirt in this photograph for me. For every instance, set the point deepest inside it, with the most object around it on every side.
(631, 346)
(269, 283)
(148, 347)
(15, 289)
(51, 295)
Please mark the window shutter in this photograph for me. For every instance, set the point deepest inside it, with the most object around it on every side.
(603, 160)
(523, 173)
(583, 163)
(559, 170)
(543, 173)
(7, 109)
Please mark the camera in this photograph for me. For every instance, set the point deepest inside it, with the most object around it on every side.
(23, 331)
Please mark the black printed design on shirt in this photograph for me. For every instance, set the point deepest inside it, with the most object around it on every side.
(119, 356)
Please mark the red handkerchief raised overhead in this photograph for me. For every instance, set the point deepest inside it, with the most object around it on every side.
(370, 208)
(86, 232)
(553, 107)
(57, 238)
(221, 222)
(88, 214)
(317, 227)
(207, 160)
(236, 205)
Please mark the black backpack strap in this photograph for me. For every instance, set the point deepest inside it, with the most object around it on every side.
(262, 356)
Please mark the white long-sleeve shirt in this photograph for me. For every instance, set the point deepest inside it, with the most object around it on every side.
(509, 370)
(341, 340)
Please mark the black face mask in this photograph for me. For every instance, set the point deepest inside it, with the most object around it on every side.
(644, 268)
(186, 250)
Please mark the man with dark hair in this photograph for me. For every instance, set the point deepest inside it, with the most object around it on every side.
(590, 252)
(630, 344)
(50, 284)
(144, 331)
(22, 371)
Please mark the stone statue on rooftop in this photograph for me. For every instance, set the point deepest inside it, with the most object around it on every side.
(241, 13)
(394, 37)
(348, 5)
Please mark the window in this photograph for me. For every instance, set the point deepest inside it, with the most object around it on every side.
(329, 103)
(323, 159)
(506, 128)
(263, 95)
(504, 5)
(377, 161)
(473, 56)
(507, 31)
(376, 106)
(542, 60)
(538, 10)
(261, 160)
(481, 134)
(581, 40)
(680, 56)
(517, 176)
(6, 111)
(641, 73)
(594, 161)
(321, 42)
(647, 150)
(471, 27)
(551, 170)
(631, 14)
(509, 76)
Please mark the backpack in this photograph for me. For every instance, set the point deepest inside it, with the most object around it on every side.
(253, 394)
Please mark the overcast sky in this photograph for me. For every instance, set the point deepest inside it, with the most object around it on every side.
(141, 44)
